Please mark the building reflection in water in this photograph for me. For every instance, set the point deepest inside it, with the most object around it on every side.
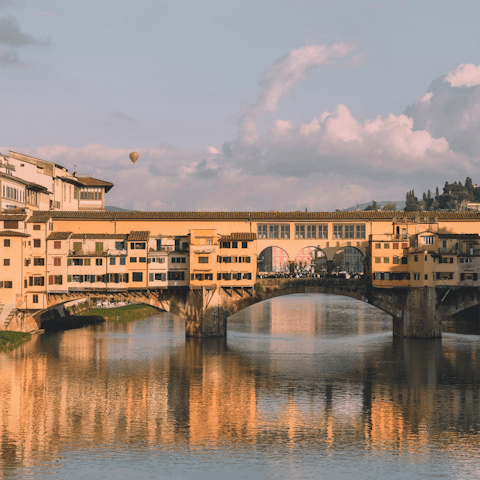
(143, 384)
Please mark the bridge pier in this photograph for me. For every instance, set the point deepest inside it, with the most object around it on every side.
(204, 314)
(414, 311)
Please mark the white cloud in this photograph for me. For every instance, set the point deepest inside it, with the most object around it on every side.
(282, 76)
(213, 150)
(465, 75)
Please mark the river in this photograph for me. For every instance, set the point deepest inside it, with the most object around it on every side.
(305, 386)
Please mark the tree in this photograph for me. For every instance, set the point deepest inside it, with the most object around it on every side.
(373, 206)
(390, 207)
(469, 184)
(411, 202)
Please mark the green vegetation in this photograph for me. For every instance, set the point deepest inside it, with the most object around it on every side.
(10, 340)
(454, 198)
(258, 288)
(125, 314)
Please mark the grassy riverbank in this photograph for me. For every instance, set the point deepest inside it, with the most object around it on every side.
(125, 314)
(10, 340)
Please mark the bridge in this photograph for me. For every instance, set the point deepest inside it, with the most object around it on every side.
(416, 312)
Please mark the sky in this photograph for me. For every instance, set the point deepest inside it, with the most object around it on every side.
(279, 105)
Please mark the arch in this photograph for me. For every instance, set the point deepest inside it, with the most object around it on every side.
(349, 259)
(311, 259)
(273, 259)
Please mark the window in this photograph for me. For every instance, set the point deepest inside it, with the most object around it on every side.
(386, 259)
(209, 276)
(54, 279)
(262, 231)
(225, 245)
(202, 259)
(415, 258)
(77, 278)
(76, 261)
(404, 245)
(77, 246)
(112, 260)
(39, 261)
(37, 243)
(35, 298)
(273, 231)
(299, 231)
(378, 259)
(10, 224)
(138, 245)
(349, 231)
(199, 276)
(120, 245)
(311, 231)
(396, 260)
(427, 240)
(386, 245)
(137, 276)
(426, 277)
(378, 245)
(247, 276)
(178, 260)
(395, 246)
(87, 261)
(99, 261)
(176, 275)
(360, 231)
(6, 242)
(444, 275)
(57, 244)
(416, 276)
(338, 231)
(226, 260)
(36, 227)
(57, 262)
(36, 281)
(284, 231)
(6, 262)
(133, 259)
(234, 244)
(142, 259)
(244, 244)
(122, 260)
(99, 247)
(323, 231)
(404, 260)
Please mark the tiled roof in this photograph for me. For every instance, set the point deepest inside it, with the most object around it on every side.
(13, 217)
(39, 217)
(460, 236)
(95, 182)
(267, 216)
(239, 236)
(135, 236)
(12, 210)
(11, 233)
(99, 236)
(59, 236)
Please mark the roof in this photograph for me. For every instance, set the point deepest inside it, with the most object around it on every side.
(39, 217)
(239, 236)
(268, 216)
(59, 236)
(460, 236)
(13, 217)
(95, 182)
(72, 180)
(98, 236)
(38, 188)
(138, 235)
(11, 233)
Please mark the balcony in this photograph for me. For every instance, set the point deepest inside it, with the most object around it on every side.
(96, 253)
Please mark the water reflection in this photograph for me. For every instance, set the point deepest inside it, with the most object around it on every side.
(306, 374)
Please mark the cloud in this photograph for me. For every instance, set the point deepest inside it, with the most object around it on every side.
(465, 75)
(123, 117)
(452, 111)
(282, 76)
(12, 37)
(333, 160)
(11, 34)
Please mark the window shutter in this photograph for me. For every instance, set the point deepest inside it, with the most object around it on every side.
(69, 261)
(475, 276)
(462, 276)
(69, 278)
(50, 279)
(31, 282)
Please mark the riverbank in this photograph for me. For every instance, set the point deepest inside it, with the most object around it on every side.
(125, 314)
(10, 340)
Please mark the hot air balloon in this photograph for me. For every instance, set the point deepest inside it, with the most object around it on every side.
(134, 157)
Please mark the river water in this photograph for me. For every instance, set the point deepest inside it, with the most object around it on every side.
(305, 386)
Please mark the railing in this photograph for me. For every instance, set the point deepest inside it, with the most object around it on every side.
(96, 253)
